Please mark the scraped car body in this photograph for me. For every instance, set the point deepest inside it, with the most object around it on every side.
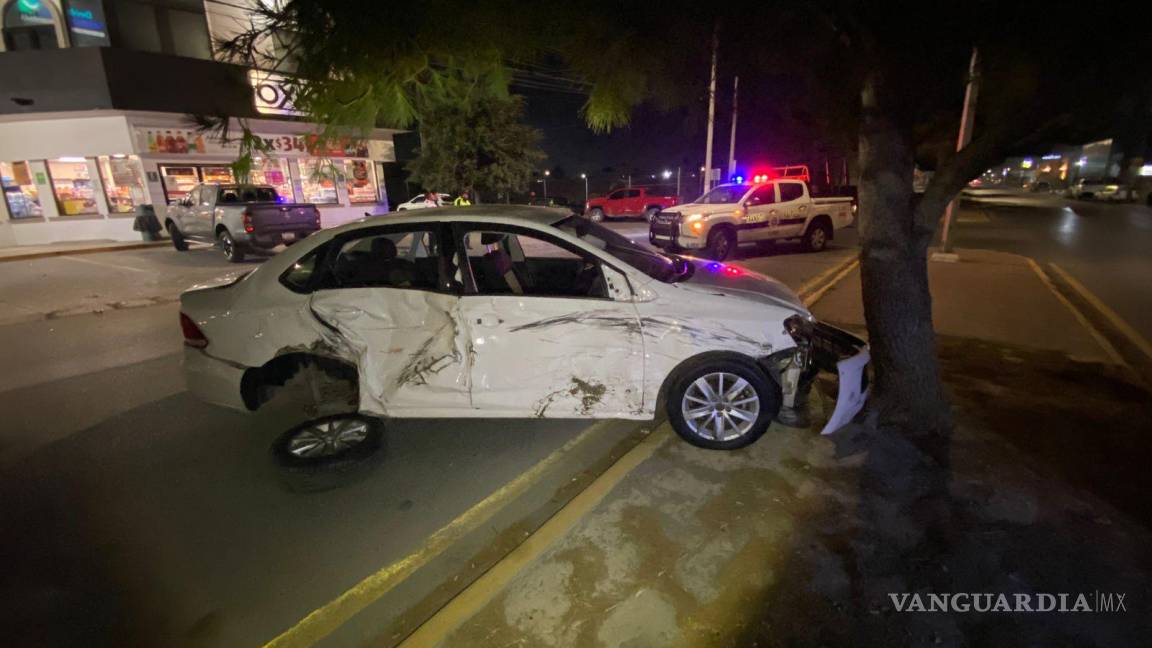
(487, 312)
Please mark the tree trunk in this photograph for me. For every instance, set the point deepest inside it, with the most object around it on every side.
(907, 393)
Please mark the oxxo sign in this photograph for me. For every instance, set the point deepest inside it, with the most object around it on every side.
(270, 93)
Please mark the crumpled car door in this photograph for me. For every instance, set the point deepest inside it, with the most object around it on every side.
(408, 345)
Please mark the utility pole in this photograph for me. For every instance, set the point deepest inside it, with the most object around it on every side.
(585, 177)
(711, 110)
(677, 183)
(967, 118)
(732, 138)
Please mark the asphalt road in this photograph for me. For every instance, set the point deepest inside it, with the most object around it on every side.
(1108, 247)
(134, 514)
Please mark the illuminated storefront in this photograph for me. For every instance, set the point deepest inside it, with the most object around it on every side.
(81, 177)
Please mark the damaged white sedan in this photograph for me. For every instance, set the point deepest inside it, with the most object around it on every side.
(503, 311)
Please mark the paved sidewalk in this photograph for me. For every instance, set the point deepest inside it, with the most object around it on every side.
(20, 252)
(993, 296)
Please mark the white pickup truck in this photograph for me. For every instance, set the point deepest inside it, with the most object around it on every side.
(731, 214)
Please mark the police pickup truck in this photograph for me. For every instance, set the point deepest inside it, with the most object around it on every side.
(731, 214)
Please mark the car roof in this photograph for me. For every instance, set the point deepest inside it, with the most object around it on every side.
(501, 214)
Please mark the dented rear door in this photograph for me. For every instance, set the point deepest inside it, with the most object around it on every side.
(388, 308)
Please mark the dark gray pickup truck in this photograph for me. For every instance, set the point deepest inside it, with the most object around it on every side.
(240, 218)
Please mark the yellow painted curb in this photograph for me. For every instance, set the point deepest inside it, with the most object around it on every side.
(324, 620)
(818, 281)
(1137, 340)
(1080, 317)
(819, 293)
(467, 603)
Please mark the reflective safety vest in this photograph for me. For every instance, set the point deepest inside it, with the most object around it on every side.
(461, 201)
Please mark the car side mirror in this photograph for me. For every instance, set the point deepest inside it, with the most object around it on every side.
(618, 288)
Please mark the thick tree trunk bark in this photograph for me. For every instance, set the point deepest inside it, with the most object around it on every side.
(908, 394)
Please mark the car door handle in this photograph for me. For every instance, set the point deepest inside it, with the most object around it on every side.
(488, 320)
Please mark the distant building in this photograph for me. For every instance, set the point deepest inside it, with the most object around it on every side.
(94, 103)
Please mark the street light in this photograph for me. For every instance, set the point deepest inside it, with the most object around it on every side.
(546, 174)
(584, 176)
(667, 174)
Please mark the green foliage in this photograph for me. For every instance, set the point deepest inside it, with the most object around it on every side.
(481, 145)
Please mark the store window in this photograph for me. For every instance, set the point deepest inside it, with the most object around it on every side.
(217, 174)
(123, 181)
(20, 191)
(318, 177)
(360, 180)
(273, 171)
(72, 185)
(178, 181)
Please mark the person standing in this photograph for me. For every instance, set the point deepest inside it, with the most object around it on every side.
(463, 200)
(432, 199)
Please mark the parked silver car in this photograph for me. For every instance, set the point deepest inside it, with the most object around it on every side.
(240, 218)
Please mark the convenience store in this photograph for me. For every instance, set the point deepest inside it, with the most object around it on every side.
(78, 176)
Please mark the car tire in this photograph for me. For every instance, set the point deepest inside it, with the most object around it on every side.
(326, 471)
(650, 213)
(816, 237)
(231, 249)
(596, 215)
(746, 389)
(178, 240)
(721, 243)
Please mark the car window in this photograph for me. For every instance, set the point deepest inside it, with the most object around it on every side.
(791, 191)
(394, 259)
(724, 194)
(632, 193)
(299, 277)
(518, 263)
(193, 196)
(228, 196)
(765, 195)
(616, 195)
(654, 264)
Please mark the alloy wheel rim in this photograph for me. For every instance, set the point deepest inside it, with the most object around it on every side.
(596, 215)
(818, 239)
(328, 438)
(720, 406)
(722, 247)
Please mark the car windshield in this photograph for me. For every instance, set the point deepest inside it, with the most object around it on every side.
(661, 267)
(724, 194)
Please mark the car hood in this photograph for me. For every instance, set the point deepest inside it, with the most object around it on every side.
(707, 210)
(711, 277)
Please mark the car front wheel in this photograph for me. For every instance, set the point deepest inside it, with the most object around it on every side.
(178, 240)
(596, 215)
(722, 404)
(650, 214)
(721, 243)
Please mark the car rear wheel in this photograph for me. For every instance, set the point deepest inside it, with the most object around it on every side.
(178, 240)
(330, 438)
(722, 404)
(231, 250)
(596, 215)
(816, 238)
(721, 243)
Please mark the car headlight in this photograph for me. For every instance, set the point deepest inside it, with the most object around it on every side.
(1112, 188)
(694, 217)
(800, 328)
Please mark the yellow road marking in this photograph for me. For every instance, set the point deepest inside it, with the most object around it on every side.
(820, 278)
(1096, 335)
(1139, 341)
(322, 621)
(811, 299)
(468, 602)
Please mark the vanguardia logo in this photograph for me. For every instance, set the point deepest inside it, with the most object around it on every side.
(985, 602)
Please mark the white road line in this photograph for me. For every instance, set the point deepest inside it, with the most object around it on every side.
(106, 265)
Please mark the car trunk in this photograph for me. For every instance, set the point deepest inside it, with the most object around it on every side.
(276, 218)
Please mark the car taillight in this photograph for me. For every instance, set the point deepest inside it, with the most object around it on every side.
(193, 336)
(246, 218)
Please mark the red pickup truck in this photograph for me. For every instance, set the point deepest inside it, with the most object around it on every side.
(631, 201)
